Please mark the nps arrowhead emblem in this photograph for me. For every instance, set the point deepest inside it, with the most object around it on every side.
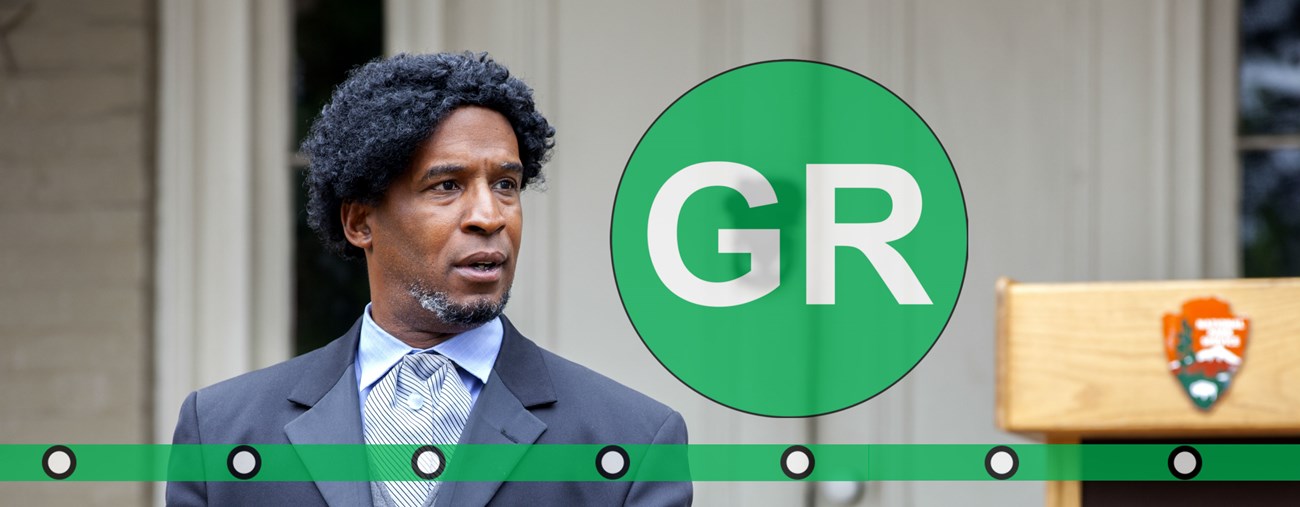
(1205, 345)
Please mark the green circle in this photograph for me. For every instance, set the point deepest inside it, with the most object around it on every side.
(777, 355)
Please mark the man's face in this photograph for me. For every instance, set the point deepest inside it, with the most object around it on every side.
(446, 234)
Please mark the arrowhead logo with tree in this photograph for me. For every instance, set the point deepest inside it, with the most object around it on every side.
(1205, 345)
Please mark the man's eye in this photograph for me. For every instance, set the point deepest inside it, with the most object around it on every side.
(507, 184)
(446, 185)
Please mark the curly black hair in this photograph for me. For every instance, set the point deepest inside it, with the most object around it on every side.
(376, 120)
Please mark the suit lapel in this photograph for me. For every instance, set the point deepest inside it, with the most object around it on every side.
(329, 390)
(519, 382)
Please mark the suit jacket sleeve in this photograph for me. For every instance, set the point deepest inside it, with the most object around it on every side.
(648, 493)
(187, 432)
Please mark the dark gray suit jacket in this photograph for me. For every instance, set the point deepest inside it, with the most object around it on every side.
(532, 396)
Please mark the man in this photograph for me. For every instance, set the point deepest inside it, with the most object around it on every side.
(417, 165)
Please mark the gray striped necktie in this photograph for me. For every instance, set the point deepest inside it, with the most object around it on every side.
(421, 400)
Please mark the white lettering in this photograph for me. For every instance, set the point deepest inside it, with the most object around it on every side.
(872, 239)
(762, 245)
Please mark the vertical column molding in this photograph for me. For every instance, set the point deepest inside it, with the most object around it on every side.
(272, 222)
(736, 32)
(222, 278)
(1222, 169)
(719, 37)
(222, 161)
(1188, 217)
(174, 276)
(1152, 123)
(1160, 143)
(1181, 140)
(414, 26)
(539, 45)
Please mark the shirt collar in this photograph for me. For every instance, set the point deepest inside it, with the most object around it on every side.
(474, 351)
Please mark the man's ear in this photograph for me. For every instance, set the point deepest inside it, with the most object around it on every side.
(356, 223)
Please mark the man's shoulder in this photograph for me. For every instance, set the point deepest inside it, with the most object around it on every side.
(584, 394)
(268, 387)
(575, 379)
(280, 376)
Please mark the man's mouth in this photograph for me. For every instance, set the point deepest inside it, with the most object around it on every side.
(482, 266)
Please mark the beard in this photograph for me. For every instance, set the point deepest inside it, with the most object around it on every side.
(469, 315)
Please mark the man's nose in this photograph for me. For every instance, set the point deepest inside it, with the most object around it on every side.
(485, 215)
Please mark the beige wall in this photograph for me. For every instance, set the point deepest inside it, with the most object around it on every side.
(1084, 134)
(75, 211)
(1090, 114)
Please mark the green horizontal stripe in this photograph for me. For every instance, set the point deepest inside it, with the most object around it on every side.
(696, 462)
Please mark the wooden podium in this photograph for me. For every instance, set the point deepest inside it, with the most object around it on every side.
(1088, 362)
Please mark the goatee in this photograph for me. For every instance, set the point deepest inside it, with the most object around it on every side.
(468, 315)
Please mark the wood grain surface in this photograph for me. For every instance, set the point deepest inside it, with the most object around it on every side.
(1088, 359)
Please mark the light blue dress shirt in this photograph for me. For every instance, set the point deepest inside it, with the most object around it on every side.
(474, 352)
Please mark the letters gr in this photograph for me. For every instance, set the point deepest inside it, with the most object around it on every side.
(824, 233)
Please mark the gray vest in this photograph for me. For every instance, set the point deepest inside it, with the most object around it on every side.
(379, 496)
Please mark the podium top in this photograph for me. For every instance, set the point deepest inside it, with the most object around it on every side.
(1167, 358)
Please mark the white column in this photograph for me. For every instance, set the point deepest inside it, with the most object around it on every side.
(1222, 168)
(273, 192)
(224, 217)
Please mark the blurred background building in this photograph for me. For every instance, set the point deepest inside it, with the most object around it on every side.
(153, 233)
